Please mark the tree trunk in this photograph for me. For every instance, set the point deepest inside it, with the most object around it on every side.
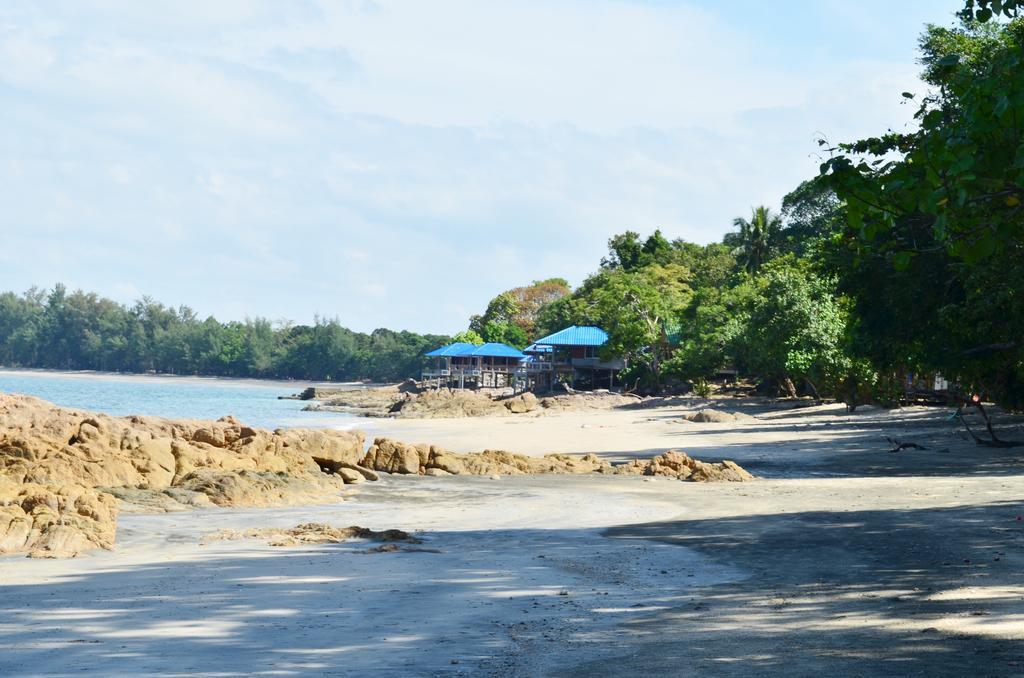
(813, 388)
(786, 384)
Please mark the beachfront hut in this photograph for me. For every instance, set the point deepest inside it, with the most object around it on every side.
(462, 365)
(571, 355)
(446, 358)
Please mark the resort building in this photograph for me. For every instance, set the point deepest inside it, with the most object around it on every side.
(463, 365)
(570, 356)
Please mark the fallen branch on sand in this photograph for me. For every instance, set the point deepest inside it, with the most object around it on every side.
(993, 440)
(898, 445)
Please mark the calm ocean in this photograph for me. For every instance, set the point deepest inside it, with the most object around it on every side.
(251, 402)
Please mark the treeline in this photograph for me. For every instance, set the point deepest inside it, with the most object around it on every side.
(903, 259)
(82, 331)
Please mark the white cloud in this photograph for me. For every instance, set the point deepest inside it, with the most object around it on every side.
(265, 158)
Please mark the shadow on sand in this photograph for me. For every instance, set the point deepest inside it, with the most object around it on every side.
(868, 593)
(846, 593)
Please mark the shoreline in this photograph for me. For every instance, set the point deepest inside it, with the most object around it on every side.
(184, 379)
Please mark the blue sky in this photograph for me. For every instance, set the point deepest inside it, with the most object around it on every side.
(399, 163)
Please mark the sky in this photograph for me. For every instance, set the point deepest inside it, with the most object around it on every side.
(398, 163)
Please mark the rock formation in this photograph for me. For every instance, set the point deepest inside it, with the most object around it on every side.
(389, 456)
(718, 417)
(681, 466)
(51, 521)
(443, 403)
(60, 467)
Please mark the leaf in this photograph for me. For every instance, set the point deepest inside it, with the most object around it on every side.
(931, 119)
(980, 249)
(951, 59)
(901, 260)
(908, 95)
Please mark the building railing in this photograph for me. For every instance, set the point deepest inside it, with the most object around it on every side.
(522, 369)
(598, 363)
(457, 372)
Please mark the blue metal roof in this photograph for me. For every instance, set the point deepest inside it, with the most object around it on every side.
(452, 350)
(496, 350)
(463, 349)
(576, 336)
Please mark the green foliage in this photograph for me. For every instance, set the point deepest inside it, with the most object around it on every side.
(932, 251)
(709, 326)
(468, 337)
(983, 10)
(811, 214)
(82, 331)
(757, 240)
(505, 333)
(640, 310)
(512, 316)
(628, 253)
(793, 326)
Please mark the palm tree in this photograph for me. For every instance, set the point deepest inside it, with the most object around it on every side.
(757, 240)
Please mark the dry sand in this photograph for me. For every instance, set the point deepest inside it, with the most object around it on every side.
(844, 558)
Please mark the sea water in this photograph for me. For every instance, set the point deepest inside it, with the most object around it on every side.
(255, 403)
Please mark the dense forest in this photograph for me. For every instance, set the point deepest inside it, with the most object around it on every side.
(902, 257)
(81, 331)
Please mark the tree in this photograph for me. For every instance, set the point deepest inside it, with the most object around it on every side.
(624, 251)
(627, 252)
(468, 337)
(793, 327)
(810, 213)
(757, 240)
(505, 333)
(941, 209)
(512, 316)
(639, 310)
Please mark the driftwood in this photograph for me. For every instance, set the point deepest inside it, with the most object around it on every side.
(631, 391)
(898, 445)
(993, 440)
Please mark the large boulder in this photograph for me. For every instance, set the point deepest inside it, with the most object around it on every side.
(680, 465)
(390, 456)
(708, 416)
(445, 403)
(521, 404)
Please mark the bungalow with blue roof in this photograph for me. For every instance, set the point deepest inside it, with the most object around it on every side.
(571, 356)
(462, 365)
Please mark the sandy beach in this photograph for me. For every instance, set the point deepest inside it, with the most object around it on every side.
(842, 557)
